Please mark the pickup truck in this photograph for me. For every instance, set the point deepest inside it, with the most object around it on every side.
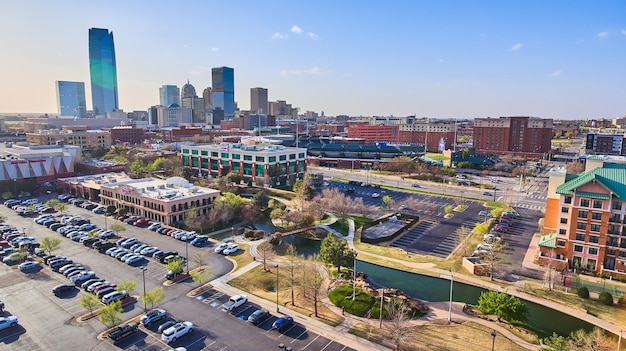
(235, 302)
(123, 331)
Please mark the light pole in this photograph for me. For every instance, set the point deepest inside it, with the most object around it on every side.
(450, 306)
(105, 221)
(354, 277)
(493, 343)
(380, 317)
(187, 256)
(276, 266)
(619, 341)
(143, 275)
(232, 232)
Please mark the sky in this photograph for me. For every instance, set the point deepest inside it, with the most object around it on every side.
(430, 58)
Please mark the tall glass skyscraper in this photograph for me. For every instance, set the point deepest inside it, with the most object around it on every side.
(103, 71)
(71, 98)
(223, 93)
(169, 94)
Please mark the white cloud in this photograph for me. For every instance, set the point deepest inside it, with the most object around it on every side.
(603, 35)
(279, 36)
(313, 35)
(214, 49)
(315, 71)
(516, 47)
(556, 73)
(296, 29)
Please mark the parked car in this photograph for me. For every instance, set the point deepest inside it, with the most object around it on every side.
(234, 302)
(62, 289)
(165, 255)
(148, 251)
(123, 331)
(114, 296)
(221, 247)
(176, 331)
(199, 241)
(259, 316)
(153, 316)
(8, 322)
(29, 266)
(154, 226)
(282, 323)
(231, 249)
(14, 258)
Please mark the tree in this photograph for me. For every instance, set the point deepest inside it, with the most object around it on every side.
(595, 340)
(304, 191)
(260, 199)
(110, 314)
(3, 218)
(503, 305)
(400, 314)
(176, 266)
(153, 297)
(335, 252)
(117, 227)
(495, 257)
(202, 276)
(89, 301)
(267, 252)
(605, 298)
(193, 220)
(223, 184)
(481, 228)
(448, 209)
(187, 172)
(127, 285)
(312, 280)
(235, 177)
(583, 292)
(49, 244)
(461, 236)
(388, 201)
(198, 258)
(7, 195)
(555, 342)
(111, 209)
(291, 255)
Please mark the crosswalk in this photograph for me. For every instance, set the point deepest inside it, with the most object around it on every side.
(541, 208)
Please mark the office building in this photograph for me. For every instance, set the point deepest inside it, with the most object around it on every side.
(103, 71)
(169, 94)
(45, 163)
(170, 116)
(258, 101)
(130, 134)
(585, 222)
(223, 94)
(166, 201)
(258, 163)
(71, 98)
(206, 95)
(605, 144)
(519, 136)
(71, 135)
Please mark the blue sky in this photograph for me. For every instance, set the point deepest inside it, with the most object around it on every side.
(441, 59)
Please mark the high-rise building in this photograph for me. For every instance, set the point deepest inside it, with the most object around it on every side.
(169, 94)
(206, 95)
(71, 98)
(103, 71)
(519, 136)
(258, 100)
(223, 94)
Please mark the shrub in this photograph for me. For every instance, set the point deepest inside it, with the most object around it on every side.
(606, 298)
(254, 234)
(621, 302)
(276, 239)
(583, 292)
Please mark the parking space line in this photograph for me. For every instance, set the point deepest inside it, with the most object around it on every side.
(298, 337)
(324, 348)
(286, 331)
(198, 339)
(307, 345)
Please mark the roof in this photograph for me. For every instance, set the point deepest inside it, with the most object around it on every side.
(612, 177)
(548, 240)
(593, 195)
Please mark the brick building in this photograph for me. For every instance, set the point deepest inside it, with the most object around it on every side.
(605, 144)
(71, 135)
(128, 134)
(180, 133)
(520, 136)
(374, 134)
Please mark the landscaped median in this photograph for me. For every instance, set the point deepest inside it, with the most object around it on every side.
(105, 334)
(197, 272)
(96, 313)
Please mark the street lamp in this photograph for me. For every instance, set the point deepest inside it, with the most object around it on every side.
(276, 266)
(143, 275)
(24, 231)
(187, 256)
(619, 341)
(380, 318)
(493, 343)
(354, 276)
(450, 306)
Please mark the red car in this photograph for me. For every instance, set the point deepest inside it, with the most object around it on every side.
(502, 228)
(140, 222)
(122, 218)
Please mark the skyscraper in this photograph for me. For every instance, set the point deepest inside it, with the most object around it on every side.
(71, 98)
(169, 94)
(223, 93)
(258, 100)
(103, 71)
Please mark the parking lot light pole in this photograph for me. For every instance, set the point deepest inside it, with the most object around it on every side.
(493, 343)
(187, 256)
(354, 277)
(450, 306)
(380, 317)
(105, 222)
(276, 266)
(143, 275)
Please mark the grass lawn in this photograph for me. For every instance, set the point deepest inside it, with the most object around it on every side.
(455, 337)
(495, 204)
(242, 257)
(337, 179)
(437, 157)
(342, 297)
(460, 208)
(341, 226)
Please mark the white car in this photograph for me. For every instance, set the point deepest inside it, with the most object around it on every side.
(231, 249)
(148, 251)
(134, 259)
(221, 247)
(188, 236)
(375, 195)
(176, 331)
(8, 322)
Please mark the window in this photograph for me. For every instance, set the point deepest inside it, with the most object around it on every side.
(617, 205)
(560, 243)
(581, 225)
(583, 214)
(610, 252)
(292, 156)
(578, 248)
(204, 153)
(213, 154)
(283, 158)
(301, 155)
(593, 250)
(562, 231)
(594, 239)
(564, 209)
(580, 236)
(591, 264)
(568, 199)
(236, 157)
(584, 203)
(563, 220)
(194, 152)
(597, 203)
(595, 227)
(272, 159)
(247, 158)
(622, 254)
(185, 151)
(260, 159)
(596, 216)
(224, 154)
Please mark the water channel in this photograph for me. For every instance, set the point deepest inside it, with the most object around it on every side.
(437, 289)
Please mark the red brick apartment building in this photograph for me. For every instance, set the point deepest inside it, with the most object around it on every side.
(520, 136)
(374, 134)
(429, 134)
(127, 134)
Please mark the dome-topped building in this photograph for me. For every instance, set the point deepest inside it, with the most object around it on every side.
(188, 91)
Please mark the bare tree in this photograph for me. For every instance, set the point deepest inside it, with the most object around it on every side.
(267, 252)
(291, 255)
(313, 280)
(400, 314)
(461, 236)
(495, 257)
(595, 340)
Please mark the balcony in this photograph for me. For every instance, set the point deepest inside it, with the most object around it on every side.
(616, 219)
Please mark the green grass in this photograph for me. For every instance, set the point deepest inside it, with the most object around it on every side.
(414, 314)
(341, 227)
(342, 297)
(437, 157)
(338, 179)
(495, 204)
(460, 208)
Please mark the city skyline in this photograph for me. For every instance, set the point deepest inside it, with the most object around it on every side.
(102, 71)
(448, 59)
